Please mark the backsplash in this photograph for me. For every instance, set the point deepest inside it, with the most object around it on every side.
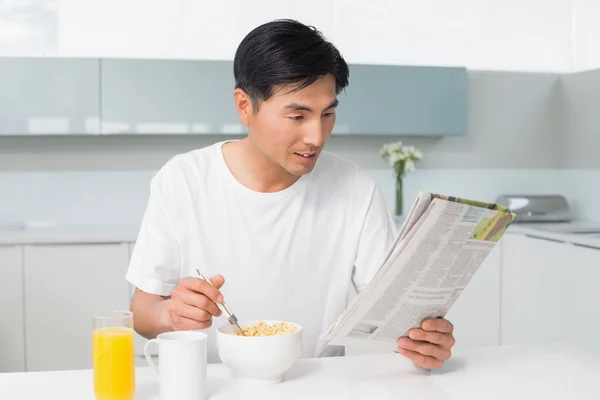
(119, 197)
(580, 187)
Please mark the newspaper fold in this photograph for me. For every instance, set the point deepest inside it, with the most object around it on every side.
(441, 245)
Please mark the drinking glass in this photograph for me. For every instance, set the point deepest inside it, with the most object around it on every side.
(113, 356)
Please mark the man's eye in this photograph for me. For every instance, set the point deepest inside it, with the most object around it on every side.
(297, 117)
(329, 114)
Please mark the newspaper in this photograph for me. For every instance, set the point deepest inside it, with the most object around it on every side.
(441, 245)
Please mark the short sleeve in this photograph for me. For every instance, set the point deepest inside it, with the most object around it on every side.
(155, 265)
(376, 238)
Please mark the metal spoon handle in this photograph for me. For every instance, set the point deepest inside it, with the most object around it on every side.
(223, 306)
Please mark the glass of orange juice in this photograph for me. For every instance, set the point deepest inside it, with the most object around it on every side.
(113, 357)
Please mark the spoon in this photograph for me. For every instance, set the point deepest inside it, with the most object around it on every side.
(223, 307)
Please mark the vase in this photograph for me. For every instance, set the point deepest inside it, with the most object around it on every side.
(399, 197)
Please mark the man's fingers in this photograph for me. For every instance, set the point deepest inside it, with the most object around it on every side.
(217, 280)
(201, 302)
(437, 324)
(187, 324)
(199, 285)
(194, 313)
(443, 339)
(424, 348)
(421, 360)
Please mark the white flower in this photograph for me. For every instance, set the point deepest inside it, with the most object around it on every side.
(396, 147)
(400, 157)
(385, 150)
(394, 158)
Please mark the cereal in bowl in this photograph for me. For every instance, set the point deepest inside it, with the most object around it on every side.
(261, 328)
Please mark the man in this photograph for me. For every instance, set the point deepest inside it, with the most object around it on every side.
(281, 226)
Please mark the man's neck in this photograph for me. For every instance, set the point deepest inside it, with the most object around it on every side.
(251, 169)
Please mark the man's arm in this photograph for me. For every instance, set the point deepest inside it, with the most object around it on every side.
(376, 238)
(163, 301)
(150, 314)
(155, 265)
(191, 306)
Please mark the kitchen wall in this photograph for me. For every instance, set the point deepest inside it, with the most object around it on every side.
(511, 146)
(585, 31)
(580, 97)
(580, 164)
(537, 35)
(479, 34)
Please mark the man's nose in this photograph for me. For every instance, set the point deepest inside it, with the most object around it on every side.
(314, 135)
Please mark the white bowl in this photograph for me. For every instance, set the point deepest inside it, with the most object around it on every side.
(258, 359)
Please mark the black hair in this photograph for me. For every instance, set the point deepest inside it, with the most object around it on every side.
(282, 52)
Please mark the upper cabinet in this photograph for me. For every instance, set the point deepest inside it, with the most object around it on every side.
(171, 97)
(383, 99)
(142, 96)
(163, 96)
(49, 96)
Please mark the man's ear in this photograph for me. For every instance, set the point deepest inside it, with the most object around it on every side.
(243, 105)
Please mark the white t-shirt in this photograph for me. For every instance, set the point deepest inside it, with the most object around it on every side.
(290, 255)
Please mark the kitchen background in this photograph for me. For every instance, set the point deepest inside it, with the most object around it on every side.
(71, 200)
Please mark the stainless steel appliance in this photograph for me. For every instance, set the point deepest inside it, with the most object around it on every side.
(537, 208)
(550, 213)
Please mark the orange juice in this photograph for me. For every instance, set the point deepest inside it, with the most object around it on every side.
(113, 360)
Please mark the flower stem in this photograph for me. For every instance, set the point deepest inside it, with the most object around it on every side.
(399, 195)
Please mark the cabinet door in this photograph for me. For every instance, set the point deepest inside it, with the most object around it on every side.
(65, 285)
(385, 99)
(49, 96)
(139, 341)
(166, 96)
(476, 313)
(12, 334)
(535, 293)
(584, 264)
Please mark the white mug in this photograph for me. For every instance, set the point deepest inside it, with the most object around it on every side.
(182, 365)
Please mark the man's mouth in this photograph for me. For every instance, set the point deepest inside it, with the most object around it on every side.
(306, 155)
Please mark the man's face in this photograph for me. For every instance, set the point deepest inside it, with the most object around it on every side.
(290, 129)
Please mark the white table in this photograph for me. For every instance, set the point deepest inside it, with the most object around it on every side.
(534, 372)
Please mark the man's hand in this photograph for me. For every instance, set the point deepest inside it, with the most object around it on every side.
(193, 303)
(430, 346)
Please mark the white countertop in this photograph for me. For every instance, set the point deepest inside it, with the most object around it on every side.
(555, 232)
(69, 234)
(533, 372)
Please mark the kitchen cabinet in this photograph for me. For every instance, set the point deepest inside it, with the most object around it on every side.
(476, 313)
(65, 285)
(168, 97)
(584, 313)
(191, 97)
(153, 96)
(535, 290)
(49, 96)
(12, 333)
(412, 100)
(139, 341)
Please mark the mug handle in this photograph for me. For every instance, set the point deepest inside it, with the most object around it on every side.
(149, 358)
